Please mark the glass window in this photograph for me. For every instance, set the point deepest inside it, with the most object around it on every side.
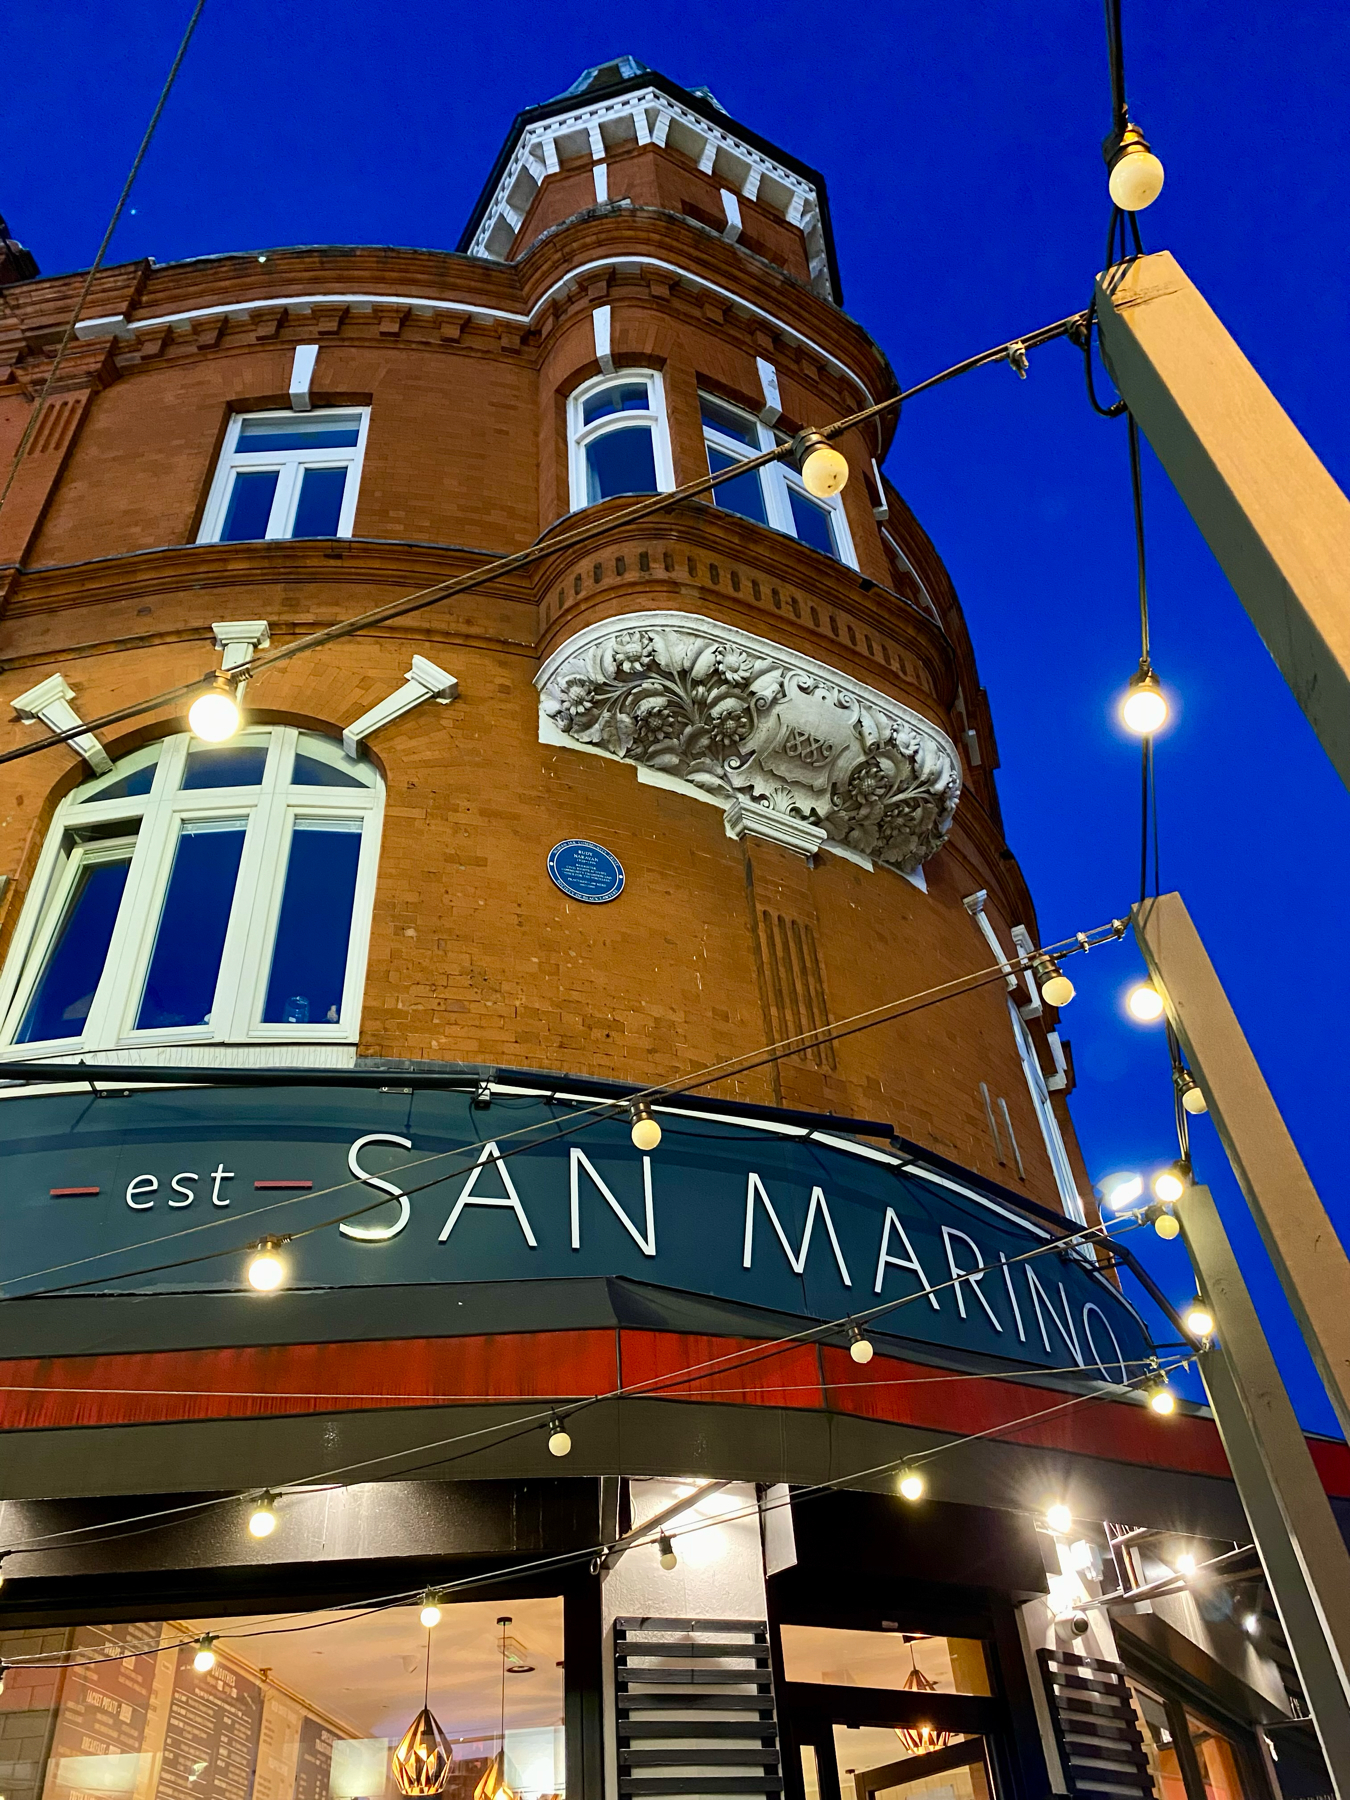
(228, 900)
(1160, 1748)
(871, 1760)
(618, 439)
(812, 521)
(621, 462)
(884, 1659)
(772, 495)
(285, 475)
(628, 396)
(743, 494)
(1217, 1759)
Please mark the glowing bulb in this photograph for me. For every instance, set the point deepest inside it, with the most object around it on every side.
(1170, 1184)
(1059, 990)
(824, 471)
(860, 1349)
(214, 716)
(912, 1484)
(266, 1271)
(430, 1614)
(1192, 1099)
(1145, 1003)
(667, 1549)
(262, 1520)
(1199, 1320)
(559, 1438)
(1166, 1226)
(1136, 177)
(206, 1657)
(646, 1133)
(1186, 1564)
(1162, 1399)
(1144, 708)
(1251, 1624)
(1058, 1517)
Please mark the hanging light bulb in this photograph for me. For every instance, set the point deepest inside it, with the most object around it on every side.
(1185, 1564)
(646, 1133)
(492, 1784)
(431, 1609)
(266, 1271)
(1191, 1097)
(912, 1484)
(859, 1348)
(1166, 1226)
(1145, 1003)
(214, 715)
(920, 1739)
(1161, 1398)
(1058, 1517)
(423, 1757)
(667, 1549)
(262, 1521)
(1144, 708)
(1199, 1319)
(1136, 175)
(559, 1438)
(1170, 1184)
(1055, 986)
(205, 1659)
(824, 470)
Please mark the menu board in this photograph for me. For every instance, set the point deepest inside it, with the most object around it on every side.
(211, 1741)
(315, 1761)
(101, 1721)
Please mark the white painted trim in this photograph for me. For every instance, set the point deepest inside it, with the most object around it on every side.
(302, 373)
(49, 702)
(881, 511)
(579, 434)
(601, 320)
(745, 819)
(778, 481)
(772, 409)
(239, 638)
(290, 463)
(1045, 1116)
(600, 176)
(424, 681)
(731, 206)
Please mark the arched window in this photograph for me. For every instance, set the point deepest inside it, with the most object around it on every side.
(619, 443)
(198, 892)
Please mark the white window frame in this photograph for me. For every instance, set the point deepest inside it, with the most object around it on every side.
(290, 466)
(777, 480)
(270, 810)
(579, 434)
(1045, 1116)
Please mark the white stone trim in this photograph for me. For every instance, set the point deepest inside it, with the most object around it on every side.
(239, 638)
(424, 681)
(771, 411)
(731, 206)
(601, 320)
(49, 703)
(302, 373)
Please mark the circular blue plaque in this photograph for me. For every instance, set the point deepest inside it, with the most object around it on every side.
(585, 871)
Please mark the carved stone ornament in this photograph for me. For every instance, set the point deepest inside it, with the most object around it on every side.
(794, 750)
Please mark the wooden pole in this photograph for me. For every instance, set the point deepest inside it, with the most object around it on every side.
(1274, 518)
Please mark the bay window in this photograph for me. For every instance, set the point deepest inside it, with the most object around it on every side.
(773, 495)
(287, 475)
(618, 438)
(212, 893)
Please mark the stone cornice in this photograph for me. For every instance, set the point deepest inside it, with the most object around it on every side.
(796, 751)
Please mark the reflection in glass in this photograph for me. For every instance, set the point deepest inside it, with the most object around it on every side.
(233, 765)
(743, 494)
(883, 1659)
(320, 431)
(1159, 1745)
(1218, 1764)
(250, 506)
(812, 522)
(620, 462)
(320, 504)
(729, 422)
(74, 966)
(871, 1761)
(312, 771)
(628, 396)
(139, 781)
(180, 986)
(309, 957)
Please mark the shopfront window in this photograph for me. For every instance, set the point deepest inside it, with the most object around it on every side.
(1189, 1758)
(884, 1659)
(121, 1712)
(1217, 1759)
(871, 1762)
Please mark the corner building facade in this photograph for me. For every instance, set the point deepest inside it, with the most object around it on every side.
(369, 986)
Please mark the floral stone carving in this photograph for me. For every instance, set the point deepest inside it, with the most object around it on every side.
(793, 749)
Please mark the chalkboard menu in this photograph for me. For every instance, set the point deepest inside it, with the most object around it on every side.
(211, 1742)
(103, 1707)
(314, 1762)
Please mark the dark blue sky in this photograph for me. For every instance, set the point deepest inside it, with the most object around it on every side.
(961, 148)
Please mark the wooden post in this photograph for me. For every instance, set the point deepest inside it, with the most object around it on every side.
(1308, 1256)
(1274, 518)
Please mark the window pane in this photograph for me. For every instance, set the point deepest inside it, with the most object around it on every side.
(181, 984)
(620, 462)
(139, 781)
(65, 991)
(309, 959)
(250, 506)
(309, 771)
(1164, 1764)
(237, 765)
(884, 1659)
(1218, 1764)
(318, 431)
(812, 522)
(743, 494)
(320, 505)
(729, 422)
(630, 396)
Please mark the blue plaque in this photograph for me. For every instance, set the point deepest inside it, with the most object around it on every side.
(585, 871)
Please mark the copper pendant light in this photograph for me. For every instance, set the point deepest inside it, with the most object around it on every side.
(919, 1739)
(492, 1783)
(423, 1757)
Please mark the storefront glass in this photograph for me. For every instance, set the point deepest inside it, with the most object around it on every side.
(1159, 1743)
(1218, 1763)
(283, 1714)
(871, 1761)
(884, 1659)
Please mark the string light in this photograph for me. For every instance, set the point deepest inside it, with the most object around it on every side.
(911, 1484)
(1199, 1319)
(1186, 1564)
(559, 1438)
(1251, 1624)
(1058, 1517)
(1136, 175)
(824, 470)
(646, 1132)
(205, 1659)
(1144, 708)
(1161, 1398)
(1170, 1184)
(1191, 1097)
(1145, 1003)
(859, 1347)
(667, 1549)
(1055, 986)
(266, 1271)
(430, 1614)
(1166, 1226)
(214, 715)
(263, 1519)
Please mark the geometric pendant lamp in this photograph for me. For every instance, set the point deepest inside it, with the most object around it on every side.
(423, 1757)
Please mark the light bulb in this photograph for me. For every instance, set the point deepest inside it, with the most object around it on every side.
(214, 716)
(266, 1271)
(1170, 1184)
(860, 1349)
(1199, 1320)
(1186, 1564)
(206, 1657)
(1059, 990)
(1251, 1624)
(1120, 1190)
(1144, 708)
(1166, 1226)
(431, 1612)
(1192, 1099)
(1058, 1517)
(559, 1438)
(646, 1133)
(824, 471)
(912, 1484)
(1162, 1399)
(1145, 1003)
(668, 1556)
(263, 1519)
(1136, 177)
